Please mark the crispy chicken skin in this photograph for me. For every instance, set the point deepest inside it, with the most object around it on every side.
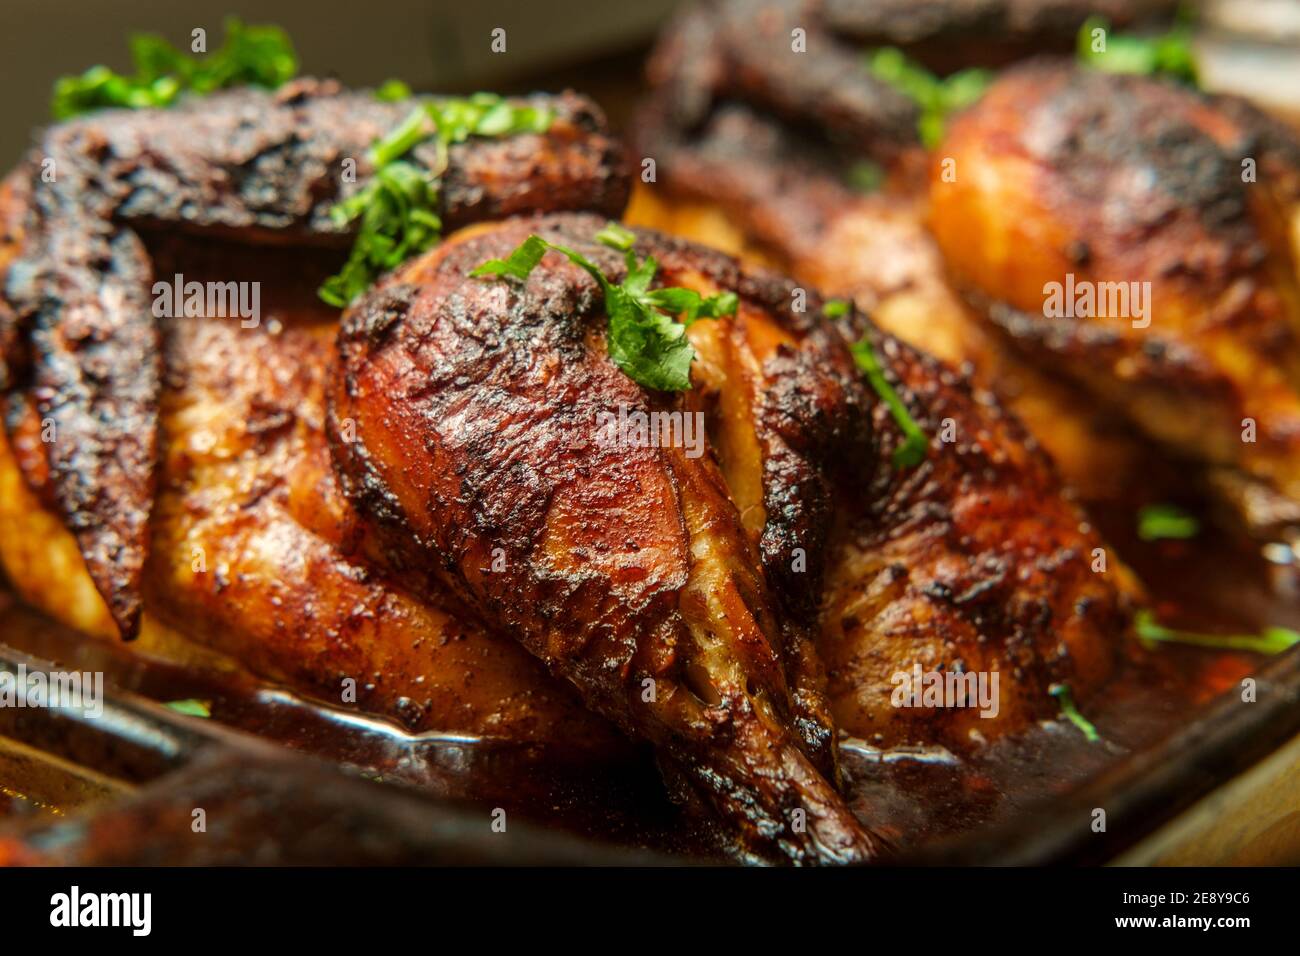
(735, 174)
(974, 561)
(77, 329)
(250, 537)
(1134, 182)
(463, 421)
(253, 548)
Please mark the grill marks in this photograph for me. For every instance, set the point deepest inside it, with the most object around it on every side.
(76, 327)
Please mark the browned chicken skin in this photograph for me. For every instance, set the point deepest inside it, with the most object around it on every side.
(472, 407)
(462, 511)
(77, 328)
(1184, 201)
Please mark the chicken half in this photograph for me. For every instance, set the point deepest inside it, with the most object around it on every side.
(1141, 239)
(237, 540)
(462, 545)
(953, 249)
(667, 588)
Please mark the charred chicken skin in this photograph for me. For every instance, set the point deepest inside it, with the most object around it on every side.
(80, 337)
(1182, 211)
(1194, 196)
(463, 422)
(418, 497)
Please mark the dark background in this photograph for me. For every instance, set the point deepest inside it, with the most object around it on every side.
(435, 45)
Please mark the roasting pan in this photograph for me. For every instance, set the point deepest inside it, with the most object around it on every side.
(284, 781)
(122, 788)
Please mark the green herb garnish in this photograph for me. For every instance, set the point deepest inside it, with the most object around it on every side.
(1159, 522)
(938, 98)
(645, 341)
(1166, 54)
(1071, 713)
(865, 176)
(616, 236)
(915, 443)
(250, 56)
(396, 208)
(836, 308)
(390, 91)
(192, 707)
(1274, 640)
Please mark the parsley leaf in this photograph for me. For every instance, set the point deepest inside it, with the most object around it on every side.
(938, 98)
(1071, 713)
(644, 339)
(1274, 640)
(1159, 522)
(865, 176)
(912, 451)
(836, 308)
(250, 56)
(1167, 54)
(396, 208)
(192, 707)
(390, 91)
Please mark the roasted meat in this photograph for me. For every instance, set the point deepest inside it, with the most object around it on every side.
(1171, 220)
(78, 328)
(463, 421)
(955, 249)
(420, 498)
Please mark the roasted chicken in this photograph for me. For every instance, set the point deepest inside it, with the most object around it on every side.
(1180, 214)
(417, 498)
(80, 336)
(1057, 170)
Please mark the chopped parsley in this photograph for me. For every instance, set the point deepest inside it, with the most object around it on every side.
(1164, 54)
(937, 97)
(865, 176)
(1164, 521)
(192, 707)
(912, 451)
(250, 56)
(390, 91)
(1274, 640)
(1070, 712)
(645, 341)
(836, 308)
(396, 208)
